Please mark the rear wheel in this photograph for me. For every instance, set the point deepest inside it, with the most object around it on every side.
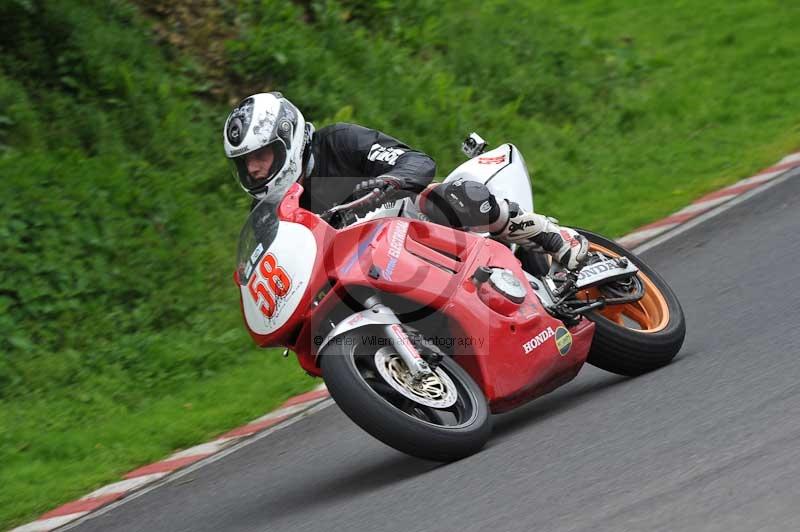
(445, 417)
(637, 337)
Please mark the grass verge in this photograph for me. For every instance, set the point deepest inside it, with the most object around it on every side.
(63, 446)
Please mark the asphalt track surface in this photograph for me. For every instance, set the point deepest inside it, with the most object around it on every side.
(711, 442)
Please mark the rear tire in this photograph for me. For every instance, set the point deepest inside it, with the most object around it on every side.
(394, 420)
(628, 351)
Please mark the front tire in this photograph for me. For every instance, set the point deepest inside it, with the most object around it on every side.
(636, 338)
(442, 434)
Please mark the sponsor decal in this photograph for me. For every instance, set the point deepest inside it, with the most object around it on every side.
(270, 285)
(513, 227)
(239, 151)
(492, 160)
(397, 240)
(405, 340)
(563, 341)
(597, 269)
(355, 319)
(538, 340)
(256, 253)
(562, 337)
(385, 155)
(485, 207)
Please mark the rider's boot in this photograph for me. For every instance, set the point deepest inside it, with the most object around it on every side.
(565, 245)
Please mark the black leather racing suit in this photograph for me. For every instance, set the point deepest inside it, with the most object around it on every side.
(347, 154)
(344, 155)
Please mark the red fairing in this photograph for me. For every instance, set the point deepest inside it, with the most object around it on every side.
(290, 211)
(514, 351)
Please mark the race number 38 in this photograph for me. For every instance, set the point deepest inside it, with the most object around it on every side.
(271, 282)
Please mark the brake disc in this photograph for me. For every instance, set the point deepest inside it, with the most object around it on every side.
(436, 390)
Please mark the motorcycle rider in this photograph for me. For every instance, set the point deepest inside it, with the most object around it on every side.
(271, 146)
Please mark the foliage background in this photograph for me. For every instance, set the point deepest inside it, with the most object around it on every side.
(120, 337)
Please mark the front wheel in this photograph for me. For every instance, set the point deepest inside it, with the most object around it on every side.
(443, 418)
(637, 337)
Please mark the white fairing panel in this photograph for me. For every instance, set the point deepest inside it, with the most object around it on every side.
(293, 252)
(504, 173)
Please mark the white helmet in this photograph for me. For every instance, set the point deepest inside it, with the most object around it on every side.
(266, 119)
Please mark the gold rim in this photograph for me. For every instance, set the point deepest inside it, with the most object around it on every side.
(651, 312)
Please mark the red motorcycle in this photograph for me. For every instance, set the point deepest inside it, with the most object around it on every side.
(420, 331)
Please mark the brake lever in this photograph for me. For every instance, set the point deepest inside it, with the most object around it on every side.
(327, 215)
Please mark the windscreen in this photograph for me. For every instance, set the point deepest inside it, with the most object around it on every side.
(256, 237)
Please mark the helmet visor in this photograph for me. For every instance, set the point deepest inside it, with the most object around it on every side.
(256, 169)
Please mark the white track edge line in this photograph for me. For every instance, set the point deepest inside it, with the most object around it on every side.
(646, 234)
(51, 523)
(221, 443)
(705, 205)
(199, 464)
(124, 486)
(694, 222)
(281, 412)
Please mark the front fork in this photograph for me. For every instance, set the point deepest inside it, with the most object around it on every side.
(403, 344)
(377, 314)
(407, 351)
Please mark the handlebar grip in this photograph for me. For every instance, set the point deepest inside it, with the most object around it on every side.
(346, 206)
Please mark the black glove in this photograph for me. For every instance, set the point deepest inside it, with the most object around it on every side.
(386, 184)
(387, 187)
